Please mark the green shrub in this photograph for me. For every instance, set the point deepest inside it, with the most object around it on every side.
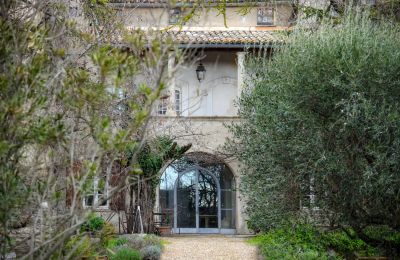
(384, 233)
(126, 254)
(107, 233)
(81, 245)
(303, 241)
(94, 223)
(292, 242)
(116, 242)
(343, 244)
(134, 240)
(323, 110)
(151, 239)
(150, 246)
(151, 252)
(139, 241)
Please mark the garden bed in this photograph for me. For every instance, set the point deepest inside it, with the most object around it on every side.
(302, 241)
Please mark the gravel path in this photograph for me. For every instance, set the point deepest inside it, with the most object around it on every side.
(208, 247)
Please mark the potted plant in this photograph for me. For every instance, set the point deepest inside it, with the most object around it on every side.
(165, 228)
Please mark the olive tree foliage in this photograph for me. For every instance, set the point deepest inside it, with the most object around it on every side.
(72, 103)
(320, 127)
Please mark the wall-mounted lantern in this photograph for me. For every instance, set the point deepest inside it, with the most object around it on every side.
(200, 72)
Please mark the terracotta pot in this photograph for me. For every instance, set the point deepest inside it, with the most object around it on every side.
(164, 230)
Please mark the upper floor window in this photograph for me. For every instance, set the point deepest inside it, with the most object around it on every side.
(174, 15)
(162, 106)
(97, 194)
(164, 102)
(265, 16)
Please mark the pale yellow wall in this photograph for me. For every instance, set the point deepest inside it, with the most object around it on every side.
(144, 17)
(158, 17)
(215, 96)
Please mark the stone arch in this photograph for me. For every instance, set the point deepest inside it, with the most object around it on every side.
(202, 218)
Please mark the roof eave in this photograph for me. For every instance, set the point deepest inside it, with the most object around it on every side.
(225, 45)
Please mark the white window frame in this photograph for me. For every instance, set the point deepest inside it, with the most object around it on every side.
(162, 106)
(265, 11)
(178, 102)
(174, 15)
(96, 195)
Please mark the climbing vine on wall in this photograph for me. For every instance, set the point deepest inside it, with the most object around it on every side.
(141, 190)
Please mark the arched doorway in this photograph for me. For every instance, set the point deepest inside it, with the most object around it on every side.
(198, 195)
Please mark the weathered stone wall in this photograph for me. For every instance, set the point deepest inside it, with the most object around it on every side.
(206, 134)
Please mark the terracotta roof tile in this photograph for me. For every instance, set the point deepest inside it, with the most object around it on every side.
(226, 37)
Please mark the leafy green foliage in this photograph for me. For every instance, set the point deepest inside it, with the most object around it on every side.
(157, 151)
(126, 254)
(72, 104)
(79, 246)
(116, 242)
(93, 224)
(292, 242)
(107, 233)
(303, 241)
(383, 233)
(343, 244)
(323, 119)
(154, 155)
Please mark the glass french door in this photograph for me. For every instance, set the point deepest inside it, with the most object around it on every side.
(197, 202)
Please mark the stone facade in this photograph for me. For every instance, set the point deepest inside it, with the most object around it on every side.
(197, 111)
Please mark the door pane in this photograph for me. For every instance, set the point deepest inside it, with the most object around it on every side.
(208, 201)
(227, 219)
(186, 200)
(227, 199)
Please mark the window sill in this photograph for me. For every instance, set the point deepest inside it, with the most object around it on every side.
(100, 208)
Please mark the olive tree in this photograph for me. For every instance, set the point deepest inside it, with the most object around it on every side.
(320, 127)
(76, 94)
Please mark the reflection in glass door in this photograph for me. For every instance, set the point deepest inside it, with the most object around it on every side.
(197, 197)
(186, 200)
(208, 201)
